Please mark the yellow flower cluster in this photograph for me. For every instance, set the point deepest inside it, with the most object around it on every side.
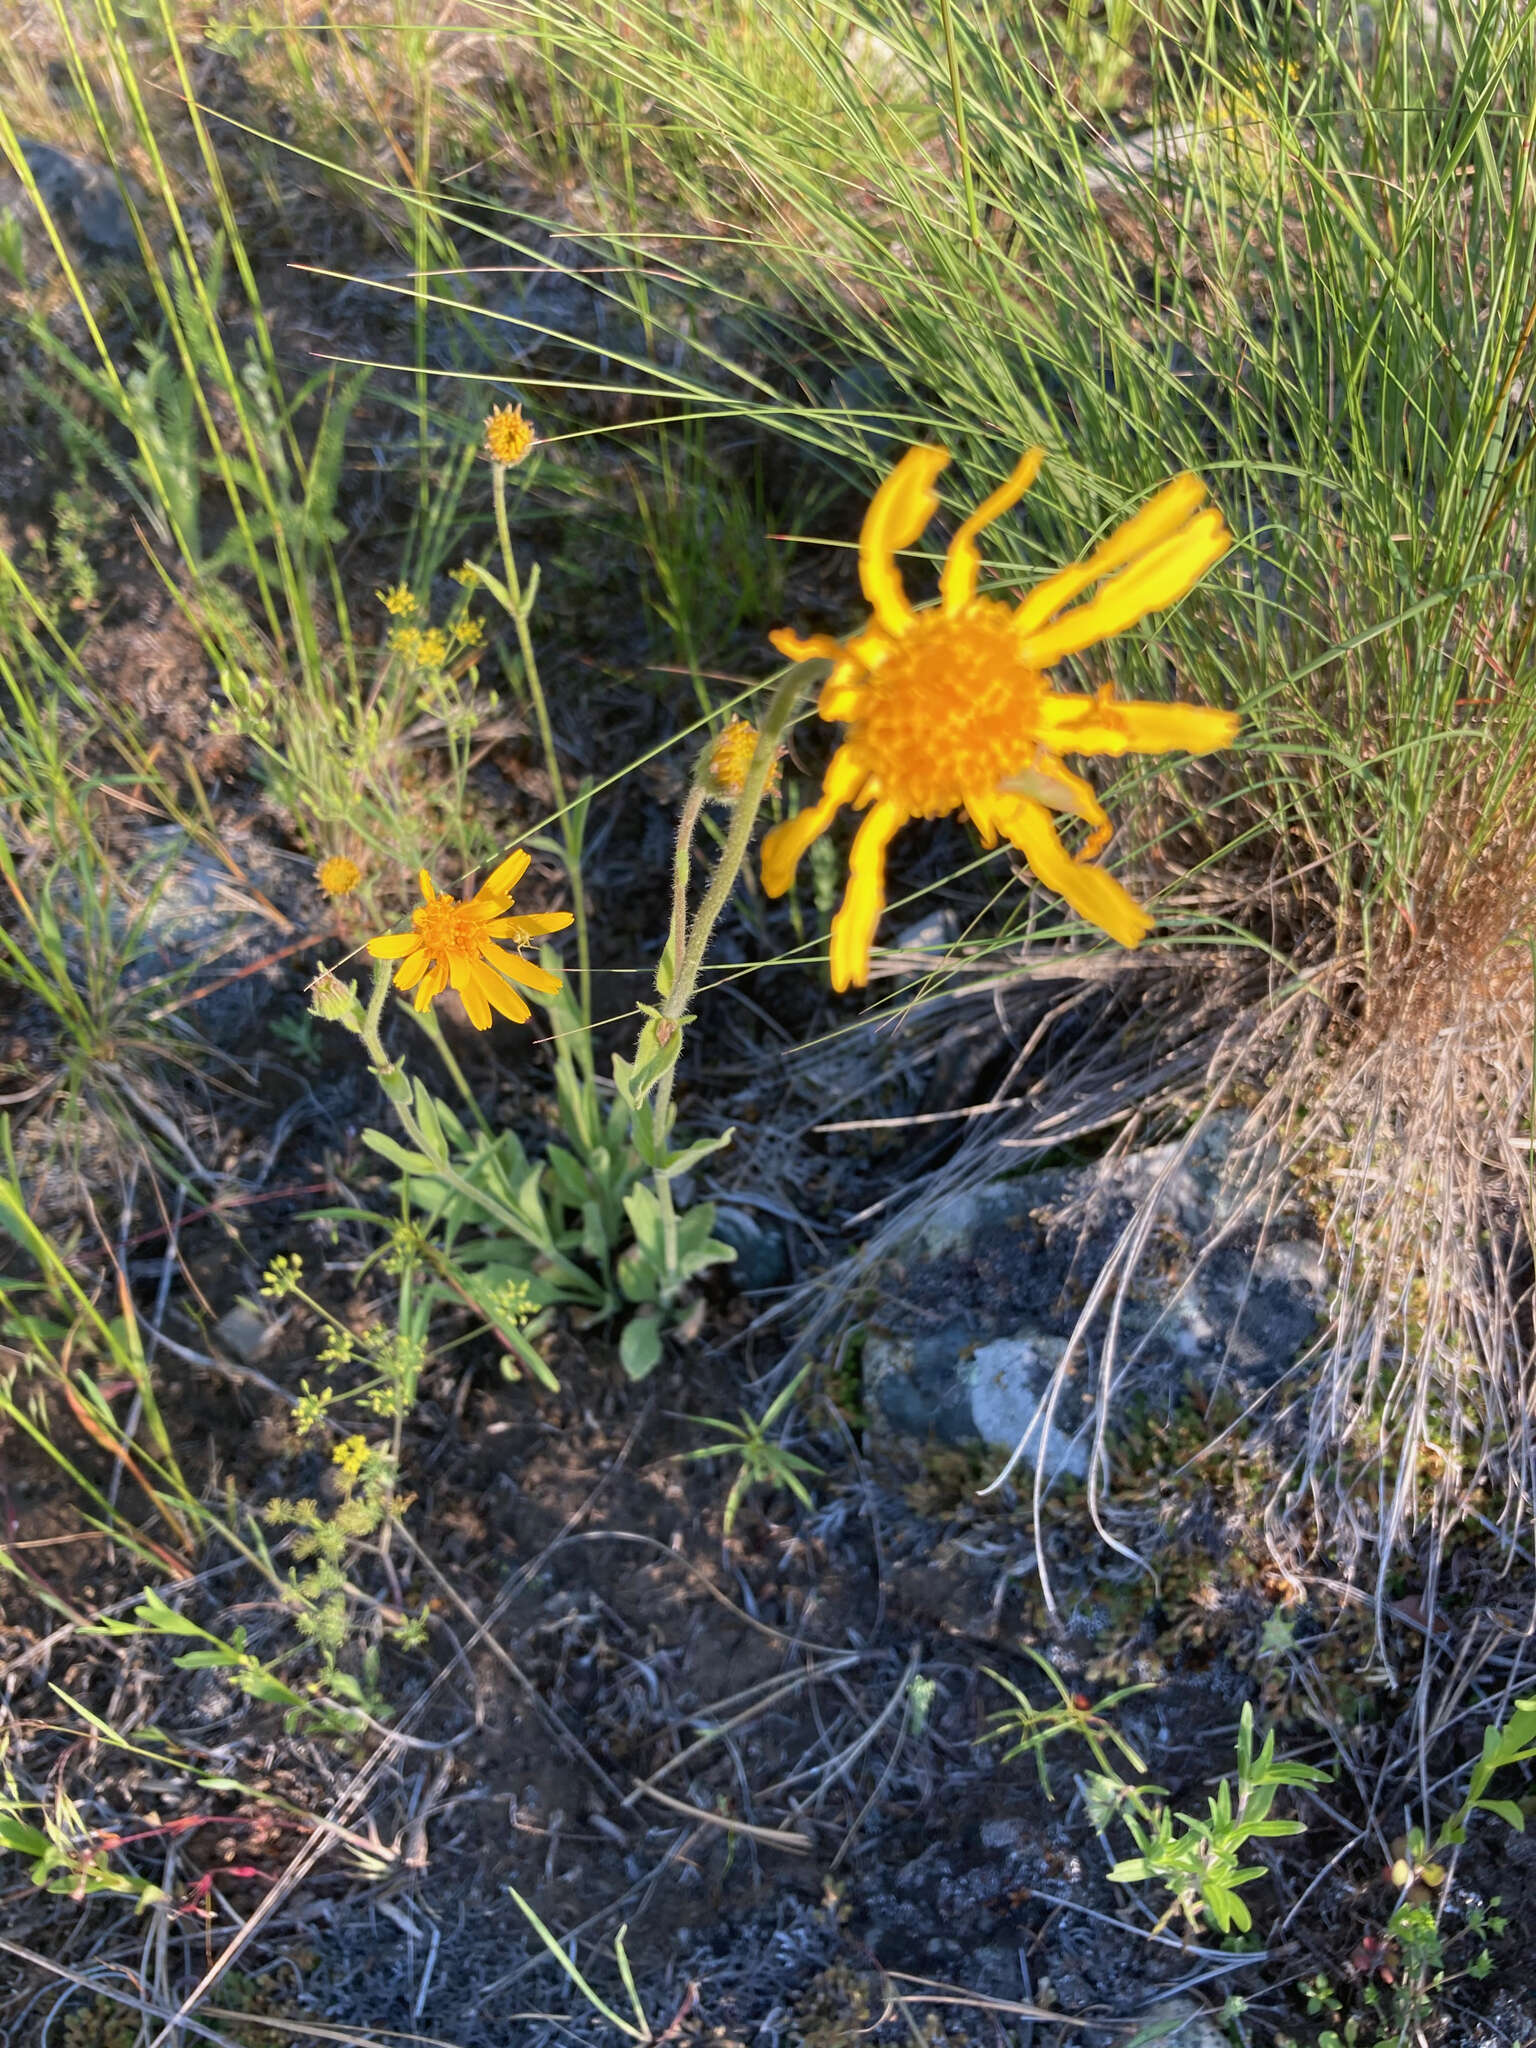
(351, 1455)
(433, 647)
(951, 710)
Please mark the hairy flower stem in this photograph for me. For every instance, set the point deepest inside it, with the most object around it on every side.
(682, 862)
(571, 816)
(688, 959)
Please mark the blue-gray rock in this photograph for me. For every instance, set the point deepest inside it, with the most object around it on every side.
(969, 1327)
(762, 1256)
(85, 199)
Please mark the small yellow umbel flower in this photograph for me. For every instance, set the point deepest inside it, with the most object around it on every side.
(454, 945)
(951, 709)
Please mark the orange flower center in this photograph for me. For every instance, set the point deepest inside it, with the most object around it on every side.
(949, 710)
(449, 929)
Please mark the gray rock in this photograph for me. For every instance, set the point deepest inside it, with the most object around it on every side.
(993, 1393)
(243, 1331)
(85, 199)
(762, 1256)
(970, 1324)
(1137, 161)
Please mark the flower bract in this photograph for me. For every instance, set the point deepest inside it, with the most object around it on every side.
(727, 759)
(951, 709)
(456, 944)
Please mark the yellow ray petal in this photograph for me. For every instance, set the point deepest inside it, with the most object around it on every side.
(427, 890)
(1050, 782)
(853, 928)
(1159, 578)
(1093, 894)
(1157, 521)
(531, 925)
(461, 976)
(503, 880)
(501, 997)
(784, 845)
(411, 969)
(432, 987)
(1099, 725)
(962, 565)
(516, 968)
(394, 945)
(814, 647)
(897, 514)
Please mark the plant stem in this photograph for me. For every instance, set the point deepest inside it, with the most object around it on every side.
(688, 959)
(681, 863)
(570, 827)
(392, 1080)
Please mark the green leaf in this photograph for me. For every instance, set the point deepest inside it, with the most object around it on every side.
(645, 1219)
(1506, 1809)
(640, 1345)
(639, 1276)
(431, 1126)
(26, 1841)
(397, 1155)
(671, 1163)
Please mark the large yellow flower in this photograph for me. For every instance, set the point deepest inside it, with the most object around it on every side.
(950, 709)
(454, 946)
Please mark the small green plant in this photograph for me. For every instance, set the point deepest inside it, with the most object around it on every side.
(1505, 1744)
(1032, 1729)
(594, 1226)
(336, 1705)
(1197, 1860)
(1401, 1973)
(636, 2029)
(763, 1461)
(66, 1855)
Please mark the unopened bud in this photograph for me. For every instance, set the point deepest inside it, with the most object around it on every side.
(334, 1000)
(726, 761)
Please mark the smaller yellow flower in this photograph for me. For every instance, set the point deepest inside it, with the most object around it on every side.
(338, 876)
(432, 648)
(508, 436)
(350, 1455)
(466, 573)
(470, 631)
(399, 600)
(406, 642)
(727, 760)
(454, 946)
